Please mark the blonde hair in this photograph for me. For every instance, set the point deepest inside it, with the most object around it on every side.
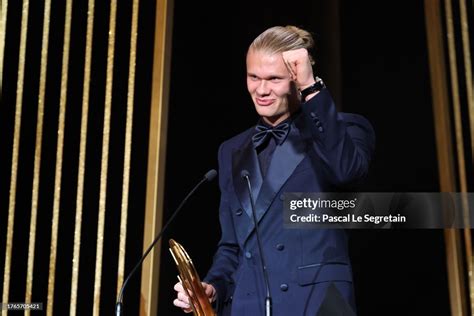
(279, 39)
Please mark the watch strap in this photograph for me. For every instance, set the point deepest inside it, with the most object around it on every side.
(315, 87)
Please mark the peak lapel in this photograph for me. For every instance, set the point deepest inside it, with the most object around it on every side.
(246, 159)
(284, 161)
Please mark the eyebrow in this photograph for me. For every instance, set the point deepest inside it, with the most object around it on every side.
(267, 77)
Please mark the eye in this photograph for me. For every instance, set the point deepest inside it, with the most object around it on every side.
(275, 79)
(252, 77)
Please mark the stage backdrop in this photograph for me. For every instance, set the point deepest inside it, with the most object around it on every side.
(82, 113)
(85, 136)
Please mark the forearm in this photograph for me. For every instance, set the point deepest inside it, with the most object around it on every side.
(224, 265)
(226, 258)
(344, 147)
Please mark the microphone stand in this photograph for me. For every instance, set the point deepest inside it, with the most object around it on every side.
(207, 177)
(268, 299)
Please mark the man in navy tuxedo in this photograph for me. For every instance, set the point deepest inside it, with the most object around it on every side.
(300, 144)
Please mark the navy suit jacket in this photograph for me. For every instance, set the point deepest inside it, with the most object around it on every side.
(323, 151)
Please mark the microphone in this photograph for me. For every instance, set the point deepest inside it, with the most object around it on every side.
(209, 176)
(268, 299)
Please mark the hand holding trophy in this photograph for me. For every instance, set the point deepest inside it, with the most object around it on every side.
(199, 298)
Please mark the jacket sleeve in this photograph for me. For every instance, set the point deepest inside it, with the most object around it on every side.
(226, 258)
(344, 142)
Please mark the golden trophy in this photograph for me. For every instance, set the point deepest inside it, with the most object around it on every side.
(191, 281)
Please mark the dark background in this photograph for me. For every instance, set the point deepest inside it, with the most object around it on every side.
(381, 71)
(373, 58)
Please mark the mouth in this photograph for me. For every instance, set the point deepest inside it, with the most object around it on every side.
(264, 102)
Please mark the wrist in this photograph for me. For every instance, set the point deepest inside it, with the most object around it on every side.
(307, 84)
(312, 89)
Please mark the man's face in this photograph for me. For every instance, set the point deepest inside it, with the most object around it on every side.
(270, 86)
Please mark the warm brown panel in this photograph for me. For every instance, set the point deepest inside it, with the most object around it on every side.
(38, 147)
(128, 146)
(105, 157)
(59, 158)
(456, 102)
(82, 159)
(459, 134)
(453, 177)
(15, 151)
(156, 154)
(3, 31)
(465, 33)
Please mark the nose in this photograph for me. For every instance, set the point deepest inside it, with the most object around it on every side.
(263, 88)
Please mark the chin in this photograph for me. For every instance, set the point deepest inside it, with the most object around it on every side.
(265, 110)
(267, 114)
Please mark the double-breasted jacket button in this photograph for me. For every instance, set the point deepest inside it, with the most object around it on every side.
(248, 255)
(321, 129)
(238, 212)
(284, 287)
(318, 124)
(282, 196)
(280, 247)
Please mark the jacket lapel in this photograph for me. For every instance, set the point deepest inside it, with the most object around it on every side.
(246, 159)
(284, 161)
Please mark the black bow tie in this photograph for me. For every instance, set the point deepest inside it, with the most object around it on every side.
(264, 133)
